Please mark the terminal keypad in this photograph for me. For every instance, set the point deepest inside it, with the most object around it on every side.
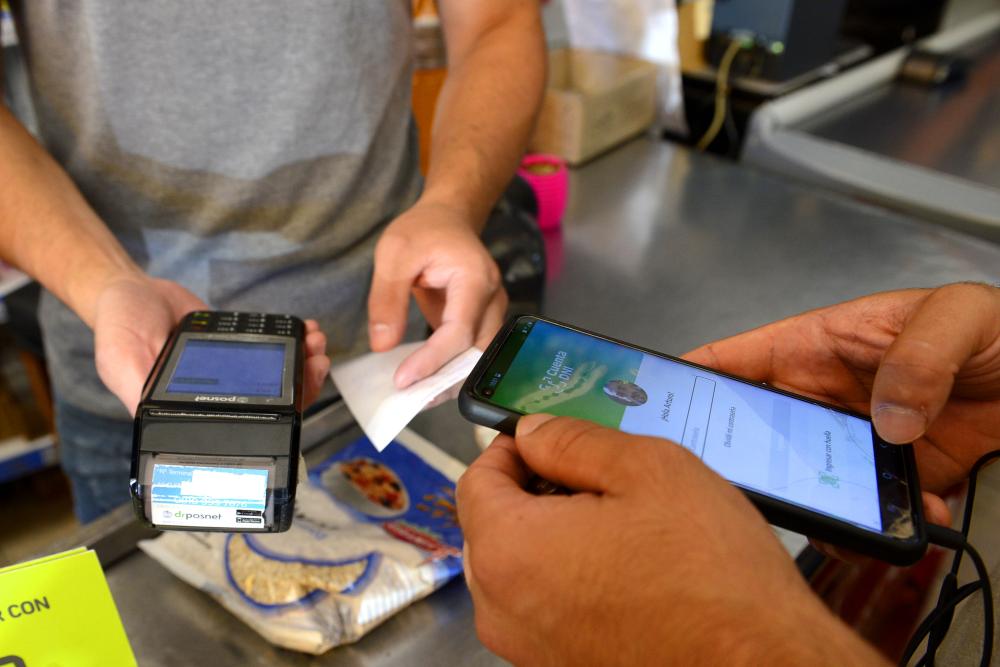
(238, 322)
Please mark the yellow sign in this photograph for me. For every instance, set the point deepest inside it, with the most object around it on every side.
(57, 611)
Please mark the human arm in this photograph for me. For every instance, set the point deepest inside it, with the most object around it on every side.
(487, 107)
(654, 559)
(48, 230)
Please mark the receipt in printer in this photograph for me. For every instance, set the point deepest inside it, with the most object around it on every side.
(215, 444)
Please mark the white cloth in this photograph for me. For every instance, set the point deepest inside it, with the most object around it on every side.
(645, 29)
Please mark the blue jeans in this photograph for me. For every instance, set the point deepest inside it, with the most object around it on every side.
(96, 453)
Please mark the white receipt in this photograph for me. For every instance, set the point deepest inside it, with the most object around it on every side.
(380, 408)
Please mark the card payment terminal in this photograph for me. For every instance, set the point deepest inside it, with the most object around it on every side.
(215, 444)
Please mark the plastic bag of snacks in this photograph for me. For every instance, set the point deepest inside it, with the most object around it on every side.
(373, 532)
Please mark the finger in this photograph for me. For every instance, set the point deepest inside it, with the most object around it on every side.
(311, 325)
(748, 354)
(447, 395)
(390, 296)
(493, 319)
(917, 372)
(316, 370)
(936, 510)
(467, 298)
(577, 454)
(493, 480)
(317, 365)
(430, 302)
(315, 344)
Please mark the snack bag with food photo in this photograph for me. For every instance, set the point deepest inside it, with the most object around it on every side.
(373, 532)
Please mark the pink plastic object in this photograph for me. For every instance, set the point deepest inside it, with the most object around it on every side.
(548, 177)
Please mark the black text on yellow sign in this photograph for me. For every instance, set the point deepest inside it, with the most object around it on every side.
(24, 608)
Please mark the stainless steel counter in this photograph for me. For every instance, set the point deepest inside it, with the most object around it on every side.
(670, 248)
(662, 246)
(951, 129)
(929, 152)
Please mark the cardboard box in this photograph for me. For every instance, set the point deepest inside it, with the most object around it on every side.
(595, 100)
(694, 24)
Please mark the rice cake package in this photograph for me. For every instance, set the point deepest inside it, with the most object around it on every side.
(373, 532)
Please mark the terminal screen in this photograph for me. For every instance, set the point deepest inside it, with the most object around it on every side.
(774, 444)
(229, 368)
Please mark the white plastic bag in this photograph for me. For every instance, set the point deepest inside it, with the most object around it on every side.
(645, 29)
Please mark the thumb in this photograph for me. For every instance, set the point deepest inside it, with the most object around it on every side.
(577, 454)
(917, 372)
(389, 298)
(123, 364)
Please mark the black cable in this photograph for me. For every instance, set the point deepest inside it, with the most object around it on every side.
(937, 633)
(934, 627)
(970, 498)
(987, 590)
(936, 637)
(933, 618)
(953, 539)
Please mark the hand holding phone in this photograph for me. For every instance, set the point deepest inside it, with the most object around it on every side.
(809, 467)
(615, 573)
(924, 362)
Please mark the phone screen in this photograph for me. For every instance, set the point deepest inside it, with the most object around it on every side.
(768, 442)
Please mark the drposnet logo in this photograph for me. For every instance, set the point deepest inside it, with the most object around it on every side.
(187, 516)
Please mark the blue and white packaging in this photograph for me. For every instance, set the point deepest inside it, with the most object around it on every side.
(373, 532)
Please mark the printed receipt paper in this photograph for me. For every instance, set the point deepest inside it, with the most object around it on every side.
(380, 408)
(58, 610)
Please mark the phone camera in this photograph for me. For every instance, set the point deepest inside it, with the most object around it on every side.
(487, 392)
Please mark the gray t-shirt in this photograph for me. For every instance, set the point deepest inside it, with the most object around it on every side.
(248, 149)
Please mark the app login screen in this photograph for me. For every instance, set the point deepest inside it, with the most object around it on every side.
(773, 444)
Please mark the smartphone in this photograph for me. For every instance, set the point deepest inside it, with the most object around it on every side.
(813, 468)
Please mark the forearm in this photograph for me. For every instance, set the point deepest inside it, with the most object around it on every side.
(486, 110)
(48, 230)
(786, 632)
